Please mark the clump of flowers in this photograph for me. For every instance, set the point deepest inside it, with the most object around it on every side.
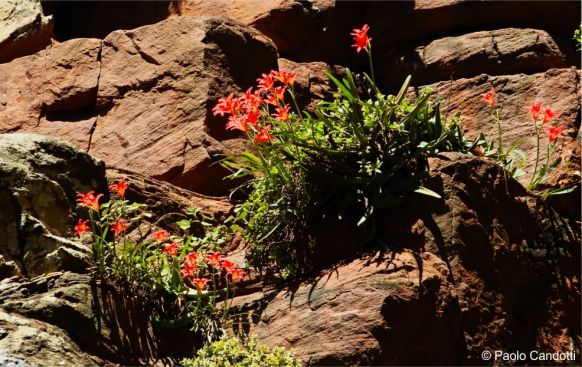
(349, 159)
(185, 270)
(513, 159)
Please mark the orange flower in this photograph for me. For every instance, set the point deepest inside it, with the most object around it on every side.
(200, 283)
(191, 258)
(237, 122)
(361, 39)
(548, 115)
(489, 97)
(89, 200)
(81, 227)
(280, 93)
(161, 236)
(213, 259)
(171, 249)
(118, 227)
(266, 82)
(188, 270)
(264, 135)
(284, 77)
(119, 187)
(535, 110)
(229, 105)
(236, 274)
(554, 133)
(282, 113)
(227, 264)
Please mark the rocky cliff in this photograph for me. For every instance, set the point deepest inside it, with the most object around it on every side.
(126, 89)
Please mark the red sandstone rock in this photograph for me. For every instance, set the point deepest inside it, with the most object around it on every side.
(502, 51)
(158, 84)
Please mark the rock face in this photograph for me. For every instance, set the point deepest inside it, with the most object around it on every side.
(39, 179)
(25, 29)
(141, 99)
(472, 278)
(497, 52)
(157, 86)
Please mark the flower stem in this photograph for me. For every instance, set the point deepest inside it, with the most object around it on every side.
(500, 134)
(532, 183)
(369, 52)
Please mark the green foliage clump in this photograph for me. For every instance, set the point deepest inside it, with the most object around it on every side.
(358, 154)
(228, 352)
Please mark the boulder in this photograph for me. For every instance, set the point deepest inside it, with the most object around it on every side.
(288, 23)
(53, 92)
(23, 338)
(157, 87)
(497, 52)
(39, 179)
(25, 29)
(486, 267)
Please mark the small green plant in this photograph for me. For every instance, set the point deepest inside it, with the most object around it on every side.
(514, 160)
(183, 275)
(354, 156)
(231, 352)
(578, 39)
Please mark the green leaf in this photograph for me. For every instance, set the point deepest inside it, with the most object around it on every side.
(428, 192)
(184, 224)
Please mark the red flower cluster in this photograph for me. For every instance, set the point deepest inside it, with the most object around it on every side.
(190, 268)
(553, 132)
(243, 112)
(361, 39)
(89, 200)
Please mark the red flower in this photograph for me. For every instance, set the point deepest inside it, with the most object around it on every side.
(272, 99)
(191, 258)
(361, 38)
(171, 249)
(535, 110)
(237, 122)
(264, 135)
(253, 117)
(489, 97)
(554, 133)
(284, 77)
(118, 227)
(119, 187)
(200, 283)
(229, 105)
(280, 93)
(89, 200)
(548, 115)
(267, 82)
(81, 227)
(236, 274)
(227, 264)
(213, 259)
(188, 270)
(161, 236)
(282, 113)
